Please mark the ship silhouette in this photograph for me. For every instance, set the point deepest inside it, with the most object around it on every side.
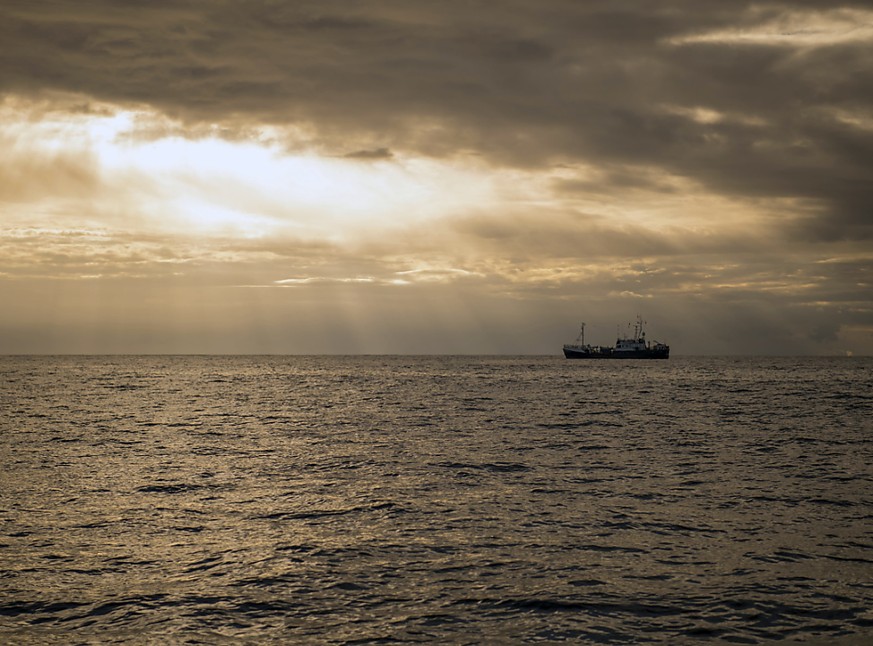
(633, 346)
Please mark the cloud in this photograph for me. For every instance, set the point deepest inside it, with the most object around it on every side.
(711, 155)
(313, 280)
(797, 29)
(531, 87)
(373, 154)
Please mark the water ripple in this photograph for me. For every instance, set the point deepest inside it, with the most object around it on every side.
(436, 499)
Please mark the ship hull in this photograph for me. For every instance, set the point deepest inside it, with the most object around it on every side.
(609, 353)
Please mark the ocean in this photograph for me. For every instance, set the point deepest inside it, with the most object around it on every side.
(371, 499)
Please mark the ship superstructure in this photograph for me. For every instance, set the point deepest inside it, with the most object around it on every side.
(629, 346)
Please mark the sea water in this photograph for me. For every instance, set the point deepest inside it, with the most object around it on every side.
(449, 499)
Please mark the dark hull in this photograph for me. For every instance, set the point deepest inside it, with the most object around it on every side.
(608, 353)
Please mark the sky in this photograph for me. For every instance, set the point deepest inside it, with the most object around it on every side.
(462, 177)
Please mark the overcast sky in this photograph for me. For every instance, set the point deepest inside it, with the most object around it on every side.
(452, 177)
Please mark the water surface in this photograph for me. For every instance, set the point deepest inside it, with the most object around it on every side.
(453, 499)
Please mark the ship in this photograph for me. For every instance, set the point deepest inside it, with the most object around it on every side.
(629, 346)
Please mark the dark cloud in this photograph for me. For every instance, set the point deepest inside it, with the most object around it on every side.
(372, 154)
(526, 84)
(536, 237)
(531, 84)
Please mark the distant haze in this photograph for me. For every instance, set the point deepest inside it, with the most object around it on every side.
(452, 177)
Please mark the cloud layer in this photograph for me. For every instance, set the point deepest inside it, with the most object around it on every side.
(528, 85)
(712, 156)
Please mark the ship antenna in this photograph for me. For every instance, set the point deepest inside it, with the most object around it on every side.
(580, 340)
